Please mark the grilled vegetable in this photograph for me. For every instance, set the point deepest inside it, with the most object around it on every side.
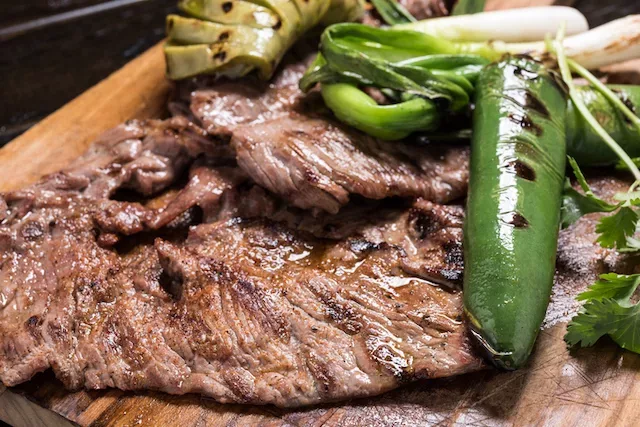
(438, 69)
(313, 11)
(420, 69)
(409, 63)
(524, 25)
(418, 84)
(220, 48)
(356, 108)
(233, 12)
(235, 37)
(584, 144)
(342, 11)
(607, 44)
(513, 205)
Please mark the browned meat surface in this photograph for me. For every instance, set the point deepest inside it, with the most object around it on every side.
(315, 163)
(261, 303)
(289, 319)
(119, 273)
(222, 106)
(289, 143)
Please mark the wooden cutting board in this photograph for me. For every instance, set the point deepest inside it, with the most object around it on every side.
(591, 387)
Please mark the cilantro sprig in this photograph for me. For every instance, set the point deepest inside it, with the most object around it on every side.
(614, 231)
(608, 310)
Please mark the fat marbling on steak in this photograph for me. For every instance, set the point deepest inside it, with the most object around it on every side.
(119, 273)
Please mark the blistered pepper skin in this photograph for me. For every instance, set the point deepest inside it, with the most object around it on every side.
(513, 207)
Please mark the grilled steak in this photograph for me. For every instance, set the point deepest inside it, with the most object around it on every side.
(117, 273)
(315, 163)
(290, 144)
(261, 303)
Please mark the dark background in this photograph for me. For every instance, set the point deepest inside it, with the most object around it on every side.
(47, 66)
(44, 68)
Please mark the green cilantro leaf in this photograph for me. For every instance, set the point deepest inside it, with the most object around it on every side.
(611, 285)
(615, 229)
(576, 205)
(608, 311)
(606, 317)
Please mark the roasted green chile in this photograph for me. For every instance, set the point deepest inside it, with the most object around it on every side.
(513, 206)
(235, 37)
(584, 144)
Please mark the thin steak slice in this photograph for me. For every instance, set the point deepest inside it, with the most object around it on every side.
(266, 314)
(222, 106)
(108, 293)
(316, 163)
(289, 143)
(56, 276)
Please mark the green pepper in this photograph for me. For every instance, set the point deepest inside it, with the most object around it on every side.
(587, 147)
(513, 206)
(395, 121)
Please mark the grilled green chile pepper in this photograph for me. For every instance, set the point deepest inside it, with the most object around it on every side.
(389, 122)
(513, 205)
(587, 147)
(231, 12)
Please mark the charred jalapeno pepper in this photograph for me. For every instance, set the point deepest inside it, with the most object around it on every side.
(513, 206)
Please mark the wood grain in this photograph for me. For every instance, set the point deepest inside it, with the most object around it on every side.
(591, 387)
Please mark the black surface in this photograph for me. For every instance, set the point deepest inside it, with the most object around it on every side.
(42, 70)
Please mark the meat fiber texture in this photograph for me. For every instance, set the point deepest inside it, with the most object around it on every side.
(154, 262)
(288, 143)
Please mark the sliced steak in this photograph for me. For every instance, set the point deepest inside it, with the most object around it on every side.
(142, 156)
(290, 144)
(315, 163)
(108, 293)
(224, 105)
(262, 303)
(289, 319)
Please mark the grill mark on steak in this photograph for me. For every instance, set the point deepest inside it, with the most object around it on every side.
(262, 303)
(328, 162)
(289, 143)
